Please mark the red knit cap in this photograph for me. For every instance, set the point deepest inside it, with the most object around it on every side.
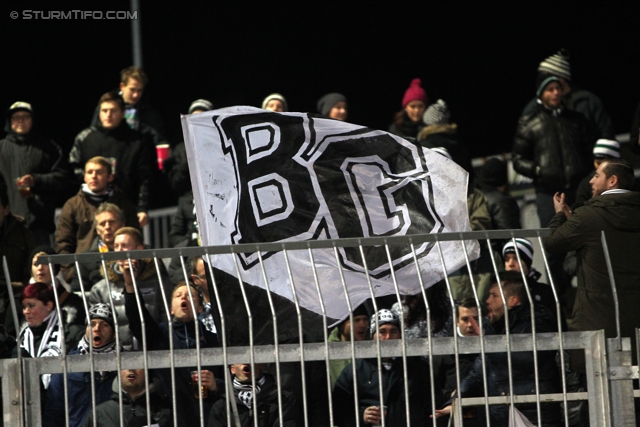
(414, 93)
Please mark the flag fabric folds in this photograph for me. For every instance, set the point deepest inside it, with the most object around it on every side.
(260, 176)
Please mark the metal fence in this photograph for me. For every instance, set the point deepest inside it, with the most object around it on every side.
(609, 371)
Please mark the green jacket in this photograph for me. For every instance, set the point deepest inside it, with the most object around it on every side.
(618, 215)
(336, 366)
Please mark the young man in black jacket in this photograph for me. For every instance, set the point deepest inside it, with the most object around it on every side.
(184, 322)
(265, 394)
(129, 151)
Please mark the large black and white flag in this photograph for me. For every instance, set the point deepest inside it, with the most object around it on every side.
(260, 176)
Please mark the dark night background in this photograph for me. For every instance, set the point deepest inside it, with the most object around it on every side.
(481, 59)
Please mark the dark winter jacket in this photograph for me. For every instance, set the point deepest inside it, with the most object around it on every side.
(446, 135)
(393, 392)
(79, 389)
(618, 215)
(184, 230)
(553, 149)
(16, 243)
(522, 368)
(132, 152)
(184, 336)
(587, 104)
(504, 210)
(149, 121)
(176, 167)
(149, 287)
(407, 128)
(268, 414)
(76, 229)
(584, 192)
(134, 412)
(43, 159)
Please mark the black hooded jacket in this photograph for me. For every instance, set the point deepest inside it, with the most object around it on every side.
(132, 152)
(134, 411)
(157, 335)
(268, 413)
(554, 149)
(522, 367)
(43, 159)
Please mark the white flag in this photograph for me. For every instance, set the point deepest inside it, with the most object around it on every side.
(260, 176)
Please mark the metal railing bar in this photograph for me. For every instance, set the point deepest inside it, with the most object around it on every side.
(294, 245)
(158, 359)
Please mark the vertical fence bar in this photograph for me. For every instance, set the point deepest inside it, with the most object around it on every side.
(430, 342)
(223, 327)
(172, 359)
(403, 339)
(251, 345)
(276, 349)
(458, 408)
(18, 400)
(352, 338)
(533, 333)
(563, 373)
(325, 330)
(305, 403)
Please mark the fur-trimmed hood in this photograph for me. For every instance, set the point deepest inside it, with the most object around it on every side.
(437, 128)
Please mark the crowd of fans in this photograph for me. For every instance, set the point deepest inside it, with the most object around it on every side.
(114, 164)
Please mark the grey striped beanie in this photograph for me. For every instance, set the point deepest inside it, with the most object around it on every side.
(437, 114)
(557, 65)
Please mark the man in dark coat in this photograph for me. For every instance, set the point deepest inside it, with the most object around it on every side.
(185, 322)
(33, 170)
(16, 243)
(518, 313)
(552, 146)
(616, 211)
(134, 403)
(129, 152)
(392, 404)
(577, 99)
(76, 225)
(266, 396)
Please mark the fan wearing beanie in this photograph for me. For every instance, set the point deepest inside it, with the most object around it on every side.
(552, 146)
(603, 150)
(408, 121)
(575, 98)
(440, 132)
(275, 102)
(333, 106)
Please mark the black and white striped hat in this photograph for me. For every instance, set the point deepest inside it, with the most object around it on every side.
(606, 149)
(524, 246)
(557, 65)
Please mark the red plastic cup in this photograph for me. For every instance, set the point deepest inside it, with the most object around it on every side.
(162, 152)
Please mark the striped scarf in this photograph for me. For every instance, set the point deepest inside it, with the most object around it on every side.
(83, 346)
(245, 391)
(51, 343)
